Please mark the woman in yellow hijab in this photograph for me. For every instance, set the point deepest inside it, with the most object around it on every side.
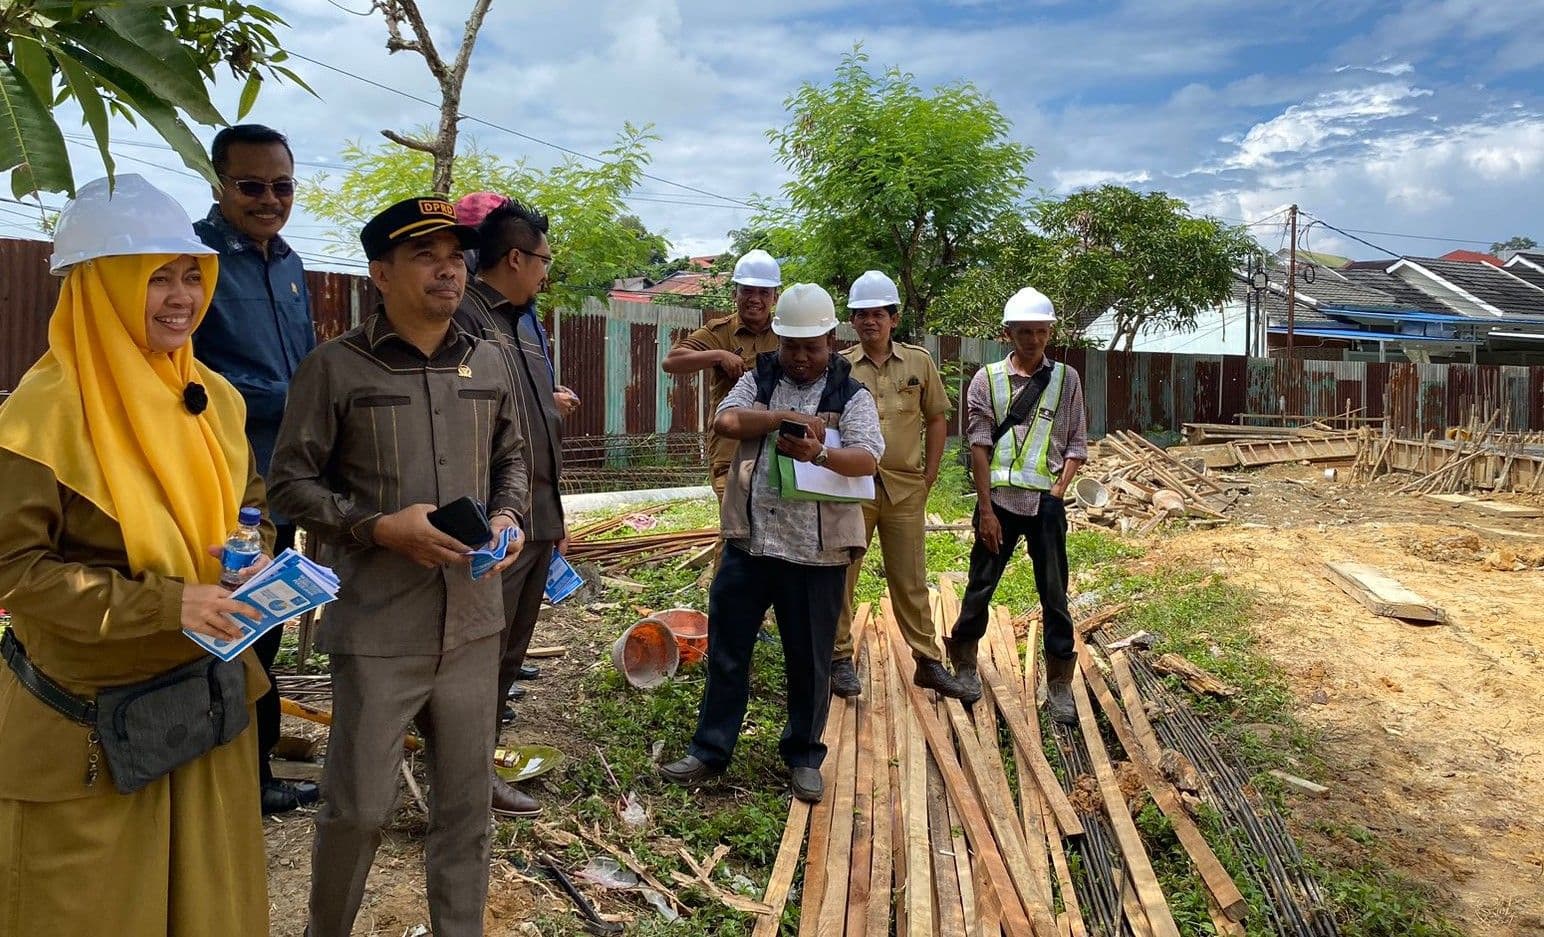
(123, 463)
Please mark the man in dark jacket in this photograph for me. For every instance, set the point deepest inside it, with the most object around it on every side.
(258, 329)
(500, 307)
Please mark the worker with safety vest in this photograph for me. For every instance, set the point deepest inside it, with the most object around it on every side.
(1028, 436)
(914, 417)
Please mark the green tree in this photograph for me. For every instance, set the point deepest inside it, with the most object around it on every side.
(1513, 244)
(144, 60)
(886, 176)
(1142, 257)
(592, 242)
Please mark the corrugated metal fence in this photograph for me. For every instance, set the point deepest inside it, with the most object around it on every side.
(611, 357)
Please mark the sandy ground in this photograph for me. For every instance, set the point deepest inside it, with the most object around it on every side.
(1434, 736)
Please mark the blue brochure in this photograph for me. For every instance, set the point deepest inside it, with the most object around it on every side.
(562, 581)
(489, 556)
(287, 588)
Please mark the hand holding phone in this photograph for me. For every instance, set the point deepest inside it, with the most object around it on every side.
(793, 428)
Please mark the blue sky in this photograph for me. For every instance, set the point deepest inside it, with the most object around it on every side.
(1419, 118)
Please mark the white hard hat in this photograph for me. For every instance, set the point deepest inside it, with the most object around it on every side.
(804, 311)
(134, 217)
(1028, 305)
(757, 268)
(873, 290)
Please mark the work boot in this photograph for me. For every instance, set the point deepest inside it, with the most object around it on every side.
(933, 675)
(807, 784)
(1058, 690)
(284, 796)
(962, 657)
(689, 770)
(511, 802)
(844, 679)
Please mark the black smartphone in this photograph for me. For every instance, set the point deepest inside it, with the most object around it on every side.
(464, 519)
(793, 428)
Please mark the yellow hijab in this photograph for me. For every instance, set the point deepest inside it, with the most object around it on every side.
(107, 415)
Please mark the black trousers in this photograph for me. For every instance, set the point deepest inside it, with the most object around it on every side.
(807, 600)
(1045, 537)
(525, 582)
(267, 648)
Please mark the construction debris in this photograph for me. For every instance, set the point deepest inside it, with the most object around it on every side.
(1383, 594)
(1476, 456)
(1139, 485)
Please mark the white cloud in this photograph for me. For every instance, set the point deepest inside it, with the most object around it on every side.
(1333, 116)
(1068, 179)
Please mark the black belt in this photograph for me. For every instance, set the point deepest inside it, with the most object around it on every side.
(57, 698)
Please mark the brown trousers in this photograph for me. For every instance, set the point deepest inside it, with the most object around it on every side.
(450, 697)
(902, 541)
(180, 858)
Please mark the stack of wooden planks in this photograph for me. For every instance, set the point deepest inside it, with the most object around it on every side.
(1148, 485)
(922, 831)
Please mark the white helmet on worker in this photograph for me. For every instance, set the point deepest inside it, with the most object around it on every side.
(757, 268)
(804, 311)
(873, 290)
(1028, 305)
(129, 217)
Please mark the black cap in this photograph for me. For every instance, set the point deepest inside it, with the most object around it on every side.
(411, 218)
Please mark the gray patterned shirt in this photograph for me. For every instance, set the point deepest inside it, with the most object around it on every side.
(785, 529)
(1069, 430)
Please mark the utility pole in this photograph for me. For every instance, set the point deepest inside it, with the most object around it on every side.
(1292, 281)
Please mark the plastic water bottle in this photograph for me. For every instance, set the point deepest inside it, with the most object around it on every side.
(242, 547)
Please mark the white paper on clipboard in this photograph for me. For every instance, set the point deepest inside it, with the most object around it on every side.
(817, 479)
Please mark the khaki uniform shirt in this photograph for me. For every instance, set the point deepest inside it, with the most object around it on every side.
(726, 334)
(373, 426)
(87, 619)
(908, 392)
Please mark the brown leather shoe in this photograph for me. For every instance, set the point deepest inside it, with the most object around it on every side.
(511, 802)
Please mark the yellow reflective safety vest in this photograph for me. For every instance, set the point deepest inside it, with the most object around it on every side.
(1021, 458)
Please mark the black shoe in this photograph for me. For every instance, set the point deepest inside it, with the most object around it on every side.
(689, 770)
(844, 679)
(807, 784)
(507, 715)
(516, 691)
(932, 675)
(284, 796)
(528, 672)
(962, 657)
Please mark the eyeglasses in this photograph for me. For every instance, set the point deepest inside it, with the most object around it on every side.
(254, 188)
(546, 259)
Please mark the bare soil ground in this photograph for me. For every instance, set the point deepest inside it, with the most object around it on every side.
(1433, 737)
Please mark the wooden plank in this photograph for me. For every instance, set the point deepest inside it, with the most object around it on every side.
(1003, 657)
(1016, 921)
(877, 922)
(947, 898)
(1072, 918)
(1450, 499)
(1039, 767)
(1506, 509)
(914, 912)
(1126, 835)
(1213, 875)
(1135, 711)
(1131, 907)
(815, 853)
(1217, 455)
(1382, 594)
(833, 908)
(863, 808)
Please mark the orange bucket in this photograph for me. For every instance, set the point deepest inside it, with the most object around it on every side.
(690, 628)
(646, 654)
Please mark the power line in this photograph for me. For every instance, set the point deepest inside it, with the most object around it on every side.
(510, 130)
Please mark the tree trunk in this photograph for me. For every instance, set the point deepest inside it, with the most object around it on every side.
(449, 76)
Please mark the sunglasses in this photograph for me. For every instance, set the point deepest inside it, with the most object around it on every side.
(254, 188)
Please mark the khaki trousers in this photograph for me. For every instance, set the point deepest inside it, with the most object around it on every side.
(901, 540)
(181, 858)
(451, 699)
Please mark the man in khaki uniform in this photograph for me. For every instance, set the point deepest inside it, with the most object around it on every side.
(912, 405)
(727, 347)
